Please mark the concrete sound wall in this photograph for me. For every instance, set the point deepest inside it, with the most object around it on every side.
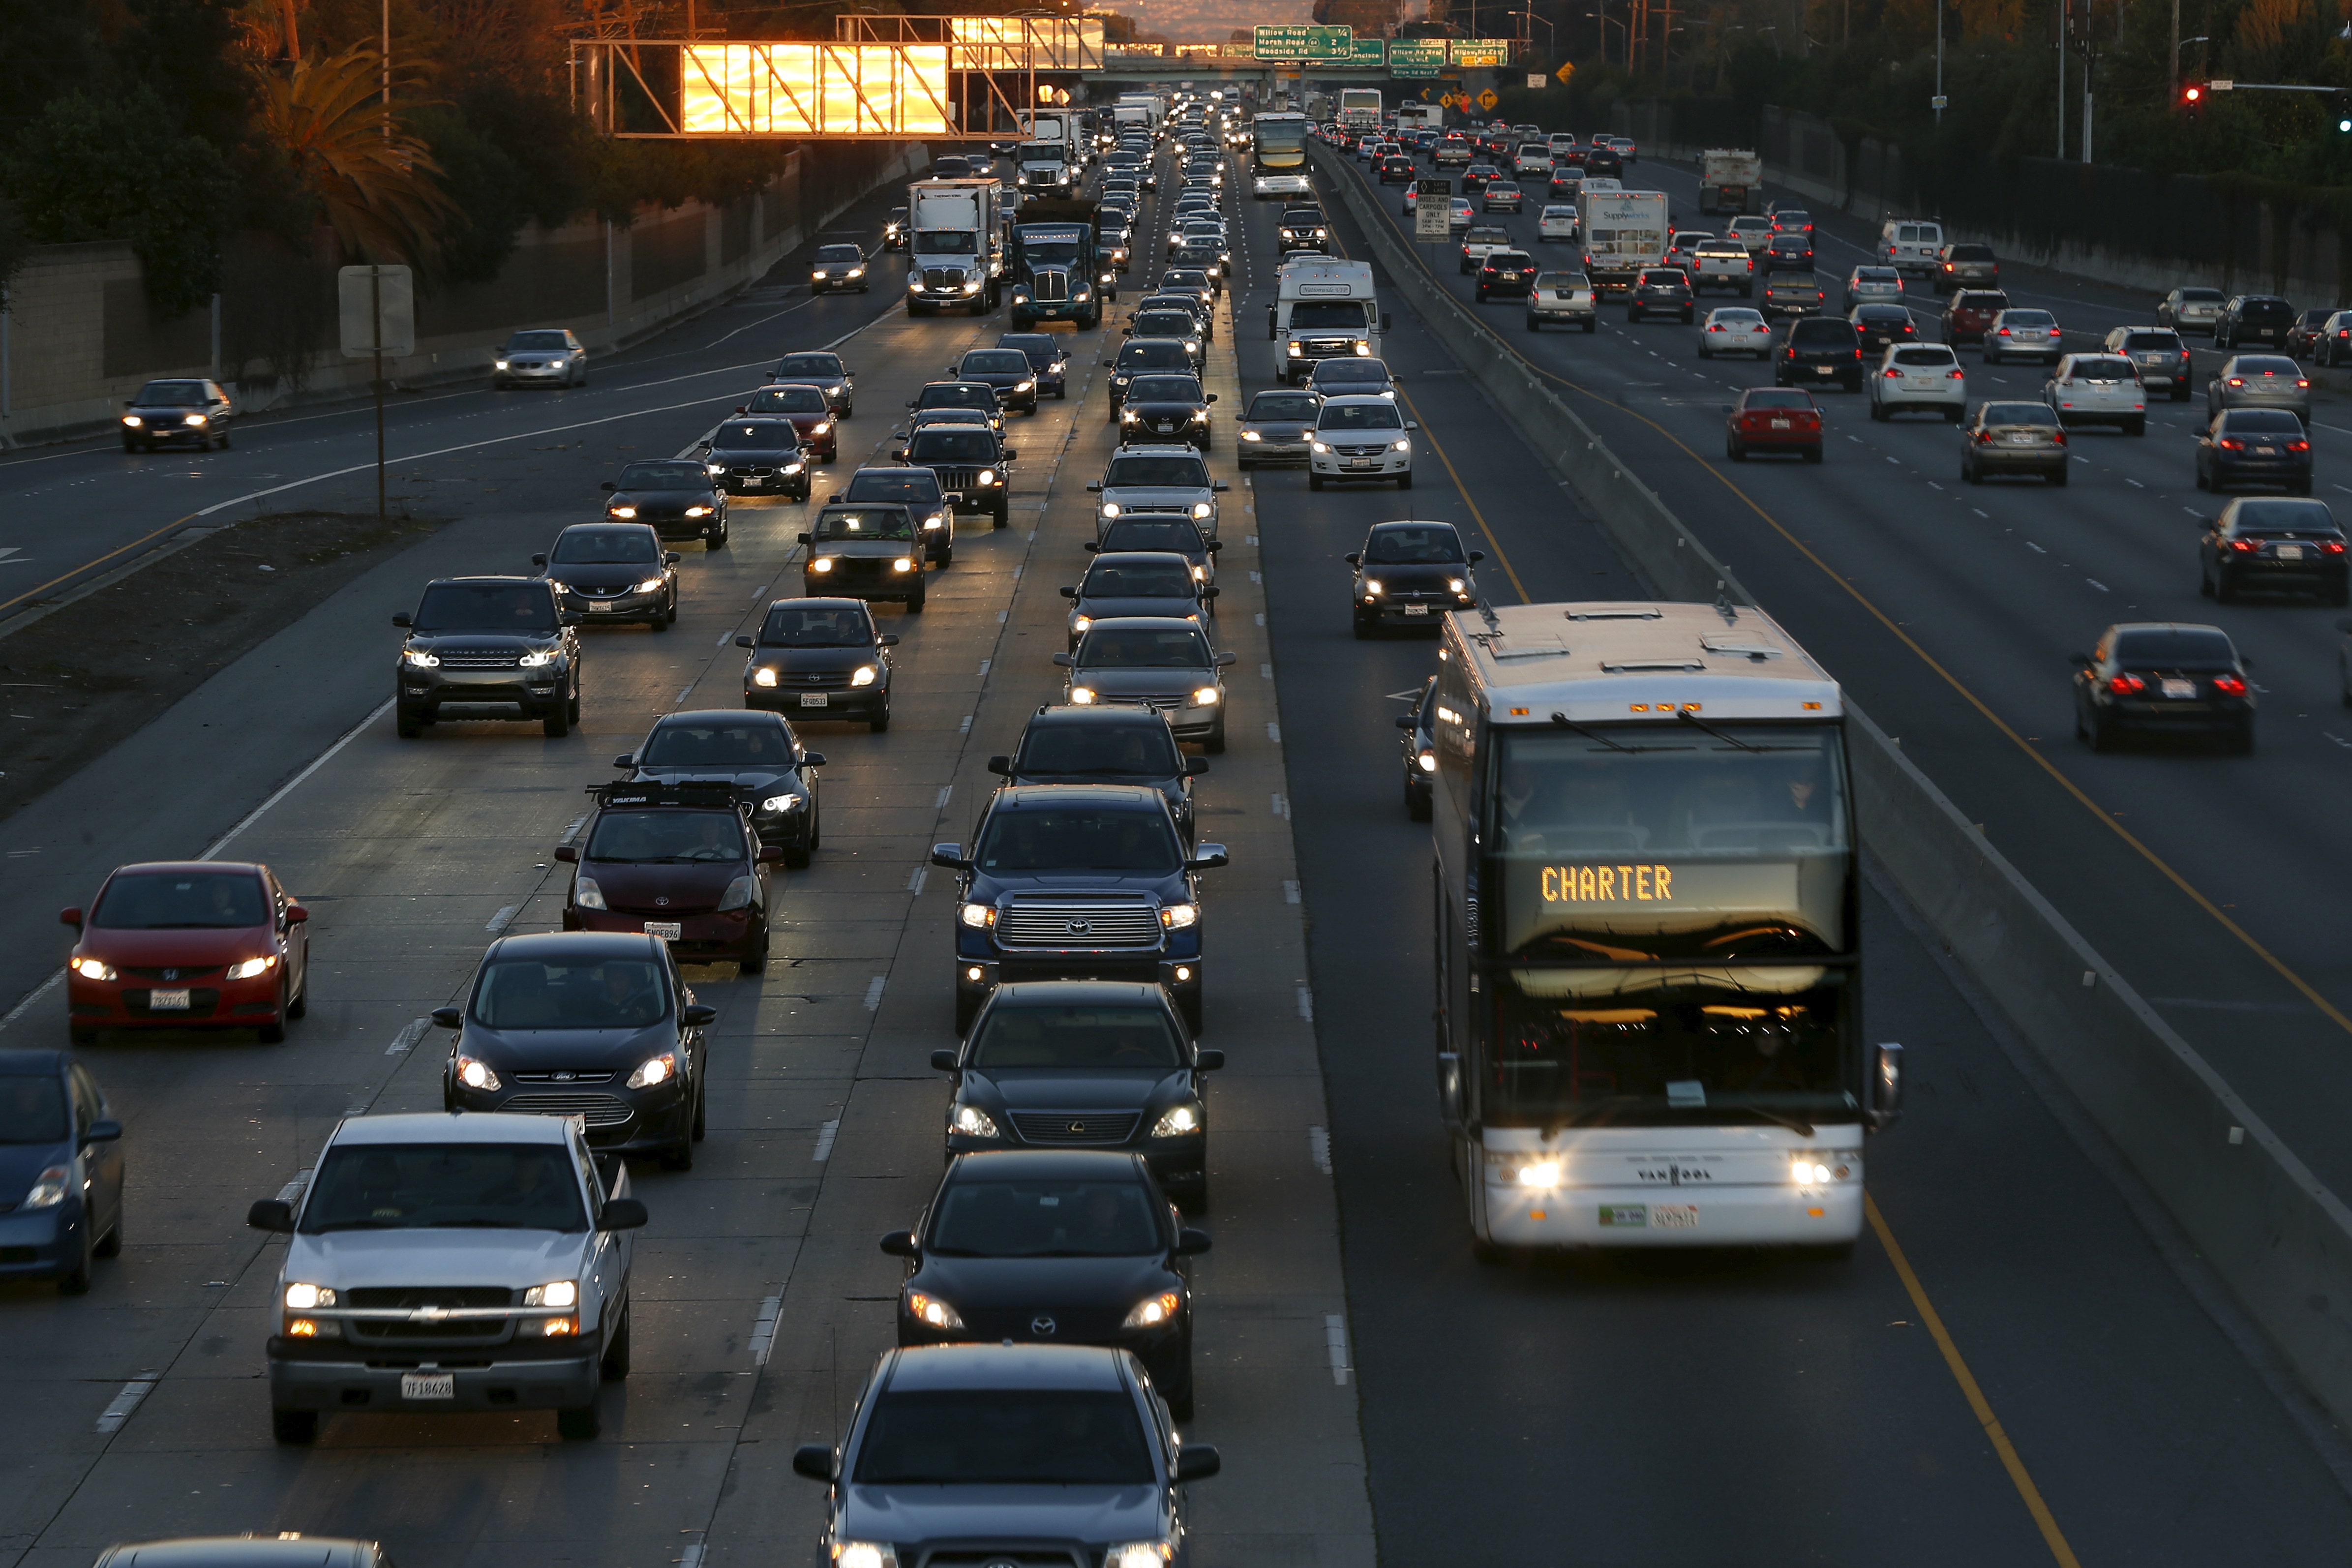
(2280, 1239)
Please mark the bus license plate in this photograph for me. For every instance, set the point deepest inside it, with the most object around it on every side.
(1673, 1216)
(167, 1001)
(668, 931)
(428, 1386)
(814, 699)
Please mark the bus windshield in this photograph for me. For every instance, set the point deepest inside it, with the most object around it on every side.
(1280, 140)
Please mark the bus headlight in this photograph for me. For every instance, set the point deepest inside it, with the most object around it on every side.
(1541, 1174)
(1820, 1167)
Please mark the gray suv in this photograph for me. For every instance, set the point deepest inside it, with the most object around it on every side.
(498, 643)
(1169, 480)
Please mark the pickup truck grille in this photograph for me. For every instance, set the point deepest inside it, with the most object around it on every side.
(414, 1296)
(964, 480)
(1075, 1126)
(1074, 922)
(597, 1110)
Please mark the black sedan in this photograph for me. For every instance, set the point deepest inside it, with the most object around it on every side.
(1101, 1064)
(2254, 446)
(1172, 322)
(677, 496)
(1069, 1246)
(1418, 738)
(824, 370)
(838, 266)
(760, 456)
(1137, 582)
(1659, 291)
(756, 753)
(934, 505)
(1882, 326)
(820, 658)
(1411, 574)
(1006, 370)
(1167, 408)
(976, 395)
(2163, 678)
(1205, 325)
(1511, 274)
(1070, 744)
(612, 571)
(2274, 544)
(1153, 530)
(1047, 363)
(163, 412)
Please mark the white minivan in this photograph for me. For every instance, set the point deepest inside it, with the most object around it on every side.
(1910, 245)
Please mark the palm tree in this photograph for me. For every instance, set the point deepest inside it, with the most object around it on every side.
(373, 180)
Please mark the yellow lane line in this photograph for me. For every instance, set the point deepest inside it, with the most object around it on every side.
(101, 561)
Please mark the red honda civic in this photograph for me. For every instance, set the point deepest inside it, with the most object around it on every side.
(179, 943)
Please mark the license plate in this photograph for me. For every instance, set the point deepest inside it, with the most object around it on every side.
(814, 699)
(2266, 451)
(668, 931)
(1363, 462)
(1416, 609)
(1779, 425)
(2023, 440)
(2290, 552)
(2179, 687)
(428, 1386)
(167, 1001)
(594, 609)
(1675, 1216)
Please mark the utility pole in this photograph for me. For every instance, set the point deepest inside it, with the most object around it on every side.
(2062, 14)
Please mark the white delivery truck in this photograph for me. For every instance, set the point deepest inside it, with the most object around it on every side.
(1359, 107)
(1051, 127)
(955, 246)
(1154, 108)
(1624, 231)
(1730, 180)
(1324, 309)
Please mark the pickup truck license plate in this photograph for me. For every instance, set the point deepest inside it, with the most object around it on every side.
(2180, 688)
(428, 1386)
(1822, 370)
(167, 1001)
(1416, 609)
(816, 700)
(595, 608)
(668, 931)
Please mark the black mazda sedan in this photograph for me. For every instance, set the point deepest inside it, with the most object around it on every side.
(679, 496)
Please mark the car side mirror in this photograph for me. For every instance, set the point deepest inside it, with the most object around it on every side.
(743, 640)
(609, 485)
(105, 1130)
(801, 538)
(626, 760)
(1208, 1060)
(539, 559)
(901, 1244)
(813, 1460)
(273, 1214)
(1219, 486)
(1065, 661)
(1000, 766)
(887, 639)
(1195, 766)
(1211, 593)
(70, 917)
(1208, 857)
(448, 1018)
(1011, 454)
(1353, 558)
(1191, 1243)
(1408, 722)
(1197, 1462)
(695, 1015)
(1885, 1086)
(943, 1061)
(950, 855)
(811, 759)
(1093, 487)
(1477, 556)
(622, 1214)
(1413, 423)
(1228, 657)
(568, 854)
(771, 855)
(1211, 397)
(1068, 592)
(403, 618)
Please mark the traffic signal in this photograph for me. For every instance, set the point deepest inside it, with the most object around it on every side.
(2192, 95)
(2343, 110)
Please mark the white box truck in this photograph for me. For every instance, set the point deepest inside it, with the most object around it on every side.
(1624, 231)
(1730, 180)
(955, 246)
(1324, 309)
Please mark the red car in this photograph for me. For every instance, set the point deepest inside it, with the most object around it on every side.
(1773, 419)
(172, 943)
(809, 410)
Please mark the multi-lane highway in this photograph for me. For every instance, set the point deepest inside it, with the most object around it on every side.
(2020, 1366)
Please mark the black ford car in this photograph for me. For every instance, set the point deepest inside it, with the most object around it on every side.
(1085, 1064)
(1077, 882)
(679, 496)
(499, 643)
(756, 753)
(760, 456)
(1073, 744)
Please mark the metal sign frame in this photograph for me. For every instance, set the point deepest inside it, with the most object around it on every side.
(808, 91)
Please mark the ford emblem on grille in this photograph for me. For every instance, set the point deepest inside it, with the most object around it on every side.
(1080, 928)
(565, 1077)
(1043, 1326)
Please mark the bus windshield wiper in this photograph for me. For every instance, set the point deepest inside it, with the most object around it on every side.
(1565, 722)
(1797, 1125)
(1731, 739)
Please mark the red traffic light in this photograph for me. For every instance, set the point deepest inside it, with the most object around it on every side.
(2193, 93)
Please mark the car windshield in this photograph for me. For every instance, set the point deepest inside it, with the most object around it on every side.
(1161, 355)
(2187, 646)
(2261, 422)
(835, 523)
(1876, 275)
(919, 487)
(839, 253)
(433, 1186)
(2028, 319)
(2020, 413)
(1155, 471)
(182, 901)
(1429, 544)
(171, 395)
(1036, 348)
(578, 993)
(664, 476)
(1888, 315)
(33, 1110)
(2151, 342)
(1185, 278)
(1125, 750)
(1164, 389)
(1045, 1219)
(947, 444)
(823, 366)
(497, 607)
(1313, 315)
(1737, 317)
(1005, 1437)
(541, 341)
(1360, 417)
(1282, 405)
(1169, 533)
(1334, 372)
(846, 626)
(1080, 838)
(786, 400)
(1115, 647)
(2201, 296)
(1134, 577)
(605, 547)
(995, 361)
(1165, 323)
(957, 396)
(1020, 1036)
(666, 838)
(1820, 334)
(754, 743)
(1657, 278)
(756, 435)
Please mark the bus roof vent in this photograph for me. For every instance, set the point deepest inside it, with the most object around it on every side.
(1645, 665)
(1748, 649)
(1646, 612)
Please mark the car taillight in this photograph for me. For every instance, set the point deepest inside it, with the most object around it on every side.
(2230, 684)
(1894, 374)
(1715, 326)
(2059, 437)
(2237, 381)
(2231, 444)
(2004, 331)
(1955, 376)
(2298, 446)
(1984, 437)
(2333, 547)
(2300, 381)
(1857, 353)
(2124, 685)
(2247, 546)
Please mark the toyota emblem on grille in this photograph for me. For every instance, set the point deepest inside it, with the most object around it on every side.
(661, 903)
(1080, 928)
(1041, 1326)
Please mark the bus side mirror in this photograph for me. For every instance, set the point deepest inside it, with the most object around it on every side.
(1886, 1088)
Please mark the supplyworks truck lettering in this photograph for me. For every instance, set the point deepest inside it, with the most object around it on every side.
(1624, 231)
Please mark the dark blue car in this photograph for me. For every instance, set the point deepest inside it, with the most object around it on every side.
(1079, 883)
(61, 1170)
(1045, 357)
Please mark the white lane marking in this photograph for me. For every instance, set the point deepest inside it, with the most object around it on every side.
(874, 993)
(1261, 617)
(286, 788)
(763, 1338)
(983, 667)
(760, 590)
(683, 693)
(2337, 739)
(1335, 1346)
(724, 637)
(2135, 484)
(945, 791)
(13, 550)
(916, 877)
(825, 1136)
(2094, 583)
(1273, 731)
(1281, 806)
(572, 827)
(1306, 1004)
(503, 918)
(112, 1418)
(692, 1556)
(2035, 548)
(293, 1189)
(1987, 516)
(1255, 578)
(1318, 1149)
(1290, 892)
(406, 1039)
(1266, 672)
(965, 728)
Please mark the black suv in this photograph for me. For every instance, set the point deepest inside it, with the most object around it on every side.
(1077, 882)
(2163, 678)
(2254, 318)
(502, 642)
(596, 1025)
(1085, 1064)
(679, 861)
(2274, 544)
(1661, 292)
(757, 753)
(614, 572)
(1818, 349)
(972, 463)
(1072, 744)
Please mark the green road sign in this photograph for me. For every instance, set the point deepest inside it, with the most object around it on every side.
(1321, 44)
(1416, 56)
(1369, 52)
(1477, 52)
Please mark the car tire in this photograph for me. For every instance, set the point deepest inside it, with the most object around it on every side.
(1003, 516)
(612, 1366)
(1878, 411)
(915, 604)
(1314, 480)
(1417, 804)
(1404, 480)
(2241, 743)
(110, 1244)
(1734, 450)
(1590, 324)
(294, 1429)
(81, 1036)
(947, 558)
(2099, 733)
(75, 1281)
(659, 623)
(300, 1007)
(2058, 476)
(556, 725)
(581, 1426)
(407, 724)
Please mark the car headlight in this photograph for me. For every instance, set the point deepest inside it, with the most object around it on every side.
(502, 364)
(931, 1313)
(1319, 447)
(972, 286)
(1362, 347)
(417, 659)
(48, 1189)
(1025, 387)
(977, 916)
(916, 281)
(1110, 508)
(1181, 1121)
(1200, 416)
(1374, 585)
(301, 1298)
(1428, 761)
(1150, 1313)
(92, 968)
(821, 427)
(857, 272)
(1206, 696)
(863, 675)
(1404, 445)
(792, 467)
(822, 564)
(1456, 585)
(1082, 694)
(1296, 349)
(902, 564)
(865, 1554)
(253, 967)
(476, 1074)
(988, 475)
(1177, 917)
(714, 469)
(653, 1070)
(554, 1293)
(1080, 623)
(783, 803)
(586, 894)
(136, 422)
(818, 275)
(650, 585)
(972, 1121)
(621, 511)
(1126, 414)
(1252, 436)
(1533, 1173)
(741, 893)
(538, 658)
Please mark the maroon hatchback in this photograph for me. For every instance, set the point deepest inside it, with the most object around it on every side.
(1773, 419)
(175, 944)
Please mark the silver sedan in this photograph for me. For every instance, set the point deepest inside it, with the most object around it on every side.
(1276, 428)
(2260, 381)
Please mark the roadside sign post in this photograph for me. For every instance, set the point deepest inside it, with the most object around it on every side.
(378, 309)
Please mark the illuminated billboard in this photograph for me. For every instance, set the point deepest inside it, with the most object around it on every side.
(814, 89)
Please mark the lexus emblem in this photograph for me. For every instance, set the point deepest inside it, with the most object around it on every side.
(1079, 1127)
(1080, 928)
(1041, 1326)
(661, 903)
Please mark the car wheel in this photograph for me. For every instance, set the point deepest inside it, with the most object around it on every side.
(1314, 481)
(1969, 475)
(294, 1427)
(1734, 450)
(915, 604)
(90, 1037)
(1003, 516)
(2204, 582)
(2242, 740)
(407, 724)
(1878, 411)
(875, 726)
(1417, 804)
(75, 1281)
(796, 856)
(1216, 744)
(274, 1032)
(556, 725)
(1404, 480)
(571, 703)
(1362, 627)
(947, 558)
(578, 1426)
(1813, 454)
(2203, 482)
(300, 1007)
(2099, 731)
(613, 1366)
(110, 1244)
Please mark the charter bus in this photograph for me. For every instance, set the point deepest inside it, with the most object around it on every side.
(1648, 964)
(1278, 156)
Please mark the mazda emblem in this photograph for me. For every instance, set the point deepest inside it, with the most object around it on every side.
(1041, 1326)
(1080, 928)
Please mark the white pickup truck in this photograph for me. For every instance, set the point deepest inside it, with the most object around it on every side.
(1723, 264)
(451, 1261)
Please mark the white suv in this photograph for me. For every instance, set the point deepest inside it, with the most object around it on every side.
(1919, 376)
(1533, 158)
(1360, 439)
(2098, 389)
(1557, 221)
